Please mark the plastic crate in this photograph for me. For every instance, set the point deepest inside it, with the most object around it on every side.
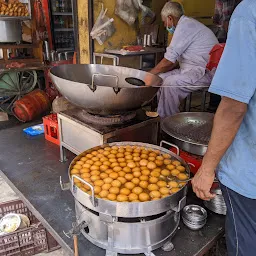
(51, 131)
(28, 241)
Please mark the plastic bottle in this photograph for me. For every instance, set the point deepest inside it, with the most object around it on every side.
(62, 6)
(71, 41)
(66, 41)
(57, 6)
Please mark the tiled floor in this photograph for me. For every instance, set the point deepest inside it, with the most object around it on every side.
(7, 194)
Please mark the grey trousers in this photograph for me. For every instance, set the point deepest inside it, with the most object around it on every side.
(169, 98)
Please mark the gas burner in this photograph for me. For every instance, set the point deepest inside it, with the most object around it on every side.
(106, 120)
(195, 161)
(78, 133)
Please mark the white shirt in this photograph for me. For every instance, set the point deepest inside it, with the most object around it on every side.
(190, 46)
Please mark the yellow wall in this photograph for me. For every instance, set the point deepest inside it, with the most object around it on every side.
(83, 38)
(125, 34)
(199, 8)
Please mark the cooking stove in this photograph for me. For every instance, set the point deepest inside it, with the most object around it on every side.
(195, 161)
(79, 131)
(106, 120)
(124, 227)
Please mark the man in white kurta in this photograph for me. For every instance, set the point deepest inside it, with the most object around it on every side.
(190, 47)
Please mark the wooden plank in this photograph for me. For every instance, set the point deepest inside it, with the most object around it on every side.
(5, 55)
(17, 46)
(45, 4)
(38, 49)
(30, 61)
(83, 31)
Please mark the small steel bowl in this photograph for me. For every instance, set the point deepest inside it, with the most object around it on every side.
(194, 216)
(217, 204)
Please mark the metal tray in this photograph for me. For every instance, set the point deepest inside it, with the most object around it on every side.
(190, 131)
(146, 51)
(6, 17)
(173, 202)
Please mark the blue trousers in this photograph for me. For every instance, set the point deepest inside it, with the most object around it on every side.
(240, 223)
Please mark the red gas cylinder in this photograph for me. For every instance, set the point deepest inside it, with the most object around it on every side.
(31, 105)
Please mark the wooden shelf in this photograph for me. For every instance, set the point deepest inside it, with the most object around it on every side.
(26, 61)
(65, 49)
(62, 13)
(18, 46)
(64, 29)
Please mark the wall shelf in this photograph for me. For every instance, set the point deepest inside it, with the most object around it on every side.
(62, 13)
(64, 29)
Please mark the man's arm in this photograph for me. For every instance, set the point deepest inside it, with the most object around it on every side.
(163, 66)
(227, 121)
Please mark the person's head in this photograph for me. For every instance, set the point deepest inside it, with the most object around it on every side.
(171, 13)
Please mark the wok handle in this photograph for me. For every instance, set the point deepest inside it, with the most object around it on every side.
(180, 205)
(103, 75)
(170, 144)
(191, 165)
(93, 199)
(105, 55)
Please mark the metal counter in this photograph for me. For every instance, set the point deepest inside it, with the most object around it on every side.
(77, 135)
(31, 167)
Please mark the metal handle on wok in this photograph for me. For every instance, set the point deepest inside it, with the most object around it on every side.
(180, 205)
(170, 144)
(115, 88)
(92, 197)
(191, 165)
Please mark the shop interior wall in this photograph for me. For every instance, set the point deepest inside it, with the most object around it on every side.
(125, 34)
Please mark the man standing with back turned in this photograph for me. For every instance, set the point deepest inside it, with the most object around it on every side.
(232, 148)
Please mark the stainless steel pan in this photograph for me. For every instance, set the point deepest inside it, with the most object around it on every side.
(190, 131)
(105, 89)
(173, 202)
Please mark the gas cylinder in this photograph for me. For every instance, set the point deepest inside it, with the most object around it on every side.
(31, 105)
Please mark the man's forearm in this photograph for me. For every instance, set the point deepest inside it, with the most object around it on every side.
(227, 121)
(163, 66)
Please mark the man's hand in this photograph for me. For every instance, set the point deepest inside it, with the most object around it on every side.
(202, 183)
(227, 121)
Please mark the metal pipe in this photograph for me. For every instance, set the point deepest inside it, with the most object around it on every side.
(90, 25)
